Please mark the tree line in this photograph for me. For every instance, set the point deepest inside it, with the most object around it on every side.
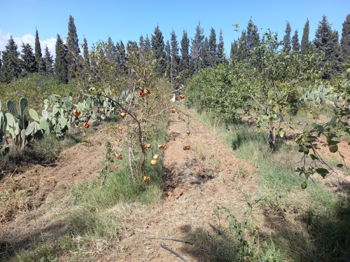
(174, 59)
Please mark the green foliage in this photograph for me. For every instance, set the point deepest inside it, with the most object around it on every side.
(29, 63)
(11, 64)
(326, 43)
(230, 241)
(36, 88)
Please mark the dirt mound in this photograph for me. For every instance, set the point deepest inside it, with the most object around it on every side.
(30, 200)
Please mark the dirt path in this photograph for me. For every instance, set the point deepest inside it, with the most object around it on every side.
(32, 200)
(198, 181)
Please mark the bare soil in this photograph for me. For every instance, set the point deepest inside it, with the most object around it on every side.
(31, 201)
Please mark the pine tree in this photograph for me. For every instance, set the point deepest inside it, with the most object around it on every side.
(205, 60)
(185, 55)
(61, 65)
(252, 36)
(168, 61)
(196, 49)
(111, 51)
(158, 51)
(234, 50)
(38, 54)
(142, 43)
(326, 42)
(121, 60)
(0, 63)
(147, 47)
(175, 58)
(28, 59)
(86, 55)
(212, 49)
(221, 50)
(295, 42)
(73, 57)
(132, 48)
(242, 50)
(305, 44)
(345, 40)
(286, 38)
(11, 64)
(48, 62)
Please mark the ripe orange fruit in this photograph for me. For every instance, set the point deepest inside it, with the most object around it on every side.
(86, 125)
(188, 132)
(186, 148)
(122, 115)
(141, 93)
(163, 147)
(154, 162)
(147, 178)
(76, 112)
(181, 96)
(116, 167)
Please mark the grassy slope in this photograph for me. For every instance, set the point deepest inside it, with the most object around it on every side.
(315, 222)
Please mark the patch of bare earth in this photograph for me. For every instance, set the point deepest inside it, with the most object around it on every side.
(198, 181)
(31, 201)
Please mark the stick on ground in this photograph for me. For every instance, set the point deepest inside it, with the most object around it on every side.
(173, 252)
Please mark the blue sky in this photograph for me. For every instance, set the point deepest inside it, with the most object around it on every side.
(127, 20)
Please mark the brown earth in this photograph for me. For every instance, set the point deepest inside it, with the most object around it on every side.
(32, 200)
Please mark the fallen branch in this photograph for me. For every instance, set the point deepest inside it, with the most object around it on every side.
(173, 252)
(170, 239)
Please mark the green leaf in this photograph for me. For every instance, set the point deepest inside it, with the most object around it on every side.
(34, 115)
(340, 165)
(333, 148)
(313, 157)
(322, 171)
(303, 185)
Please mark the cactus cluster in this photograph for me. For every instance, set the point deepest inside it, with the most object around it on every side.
(319, 96)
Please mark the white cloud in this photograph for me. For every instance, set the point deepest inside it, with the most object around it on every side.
(27, 38)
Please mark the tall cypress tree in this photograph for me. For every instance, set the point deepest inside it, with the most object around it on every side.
(196, 49)
(61, 65)
(305, 43)
(158, 51)
(38, 54)
(286, 38)
(185, 55)
(0, 62)
(221, 50)
(48, 62)
(28, 59)
(86, 55)
(212, 48)
(326, 42)
(295, 42)
(345, 39)
(73, 56)
(175, 58)
(11, 64)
